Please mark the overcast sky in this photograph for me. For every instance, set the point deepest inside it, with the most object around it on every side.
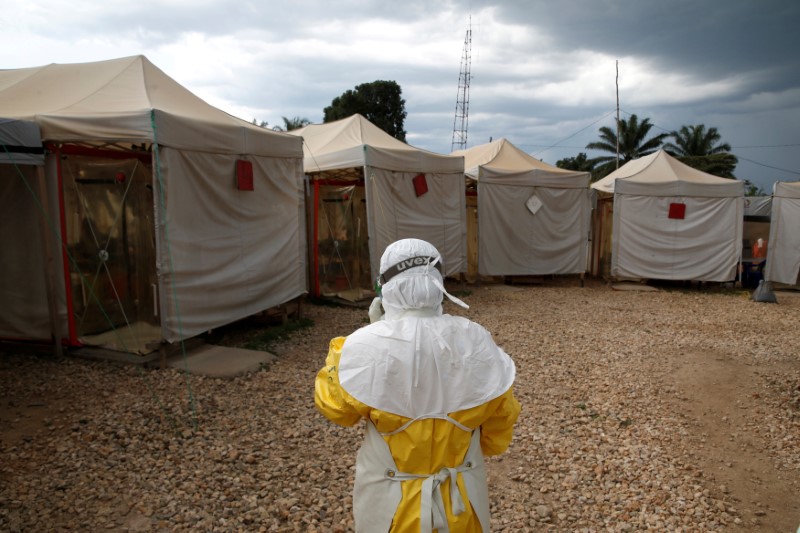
(543, 72)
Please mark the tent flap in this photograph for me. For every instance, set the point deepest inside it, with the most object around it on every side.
(783, 250)
(229, 257)
(704, 245)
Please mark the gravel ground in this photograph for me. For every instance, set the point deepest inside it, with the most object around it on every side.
(676, 410)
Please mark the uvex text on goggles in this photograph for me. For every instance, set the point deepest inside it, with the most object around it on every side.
(405, 264)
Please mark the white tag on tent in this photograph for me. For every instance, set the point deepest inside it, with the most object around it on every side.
(533, 204)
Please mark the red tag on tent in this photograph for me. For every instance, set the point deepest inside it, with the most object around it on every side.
(420, 185)
(244, 175)
(677, 211)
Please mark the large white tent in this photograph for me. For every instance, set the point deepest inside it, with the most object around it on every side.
(533, 218)
(783, 250)
(407, 192)
(171, 217)
(673, 222)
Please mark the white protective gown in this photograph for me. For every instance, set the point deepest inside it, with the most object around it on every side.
(418, 365)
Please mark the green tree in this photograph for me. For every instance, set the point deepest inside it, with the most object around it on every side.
(380, 102)
(580, 162)
(260, 124)
(702, 149)
(294, 123)
(633, 144)
(751, 189)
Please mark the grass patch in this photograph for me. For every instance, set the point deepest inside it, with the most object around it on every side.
(324, 302)
(255, 336)
(461, 293)
(266, 339)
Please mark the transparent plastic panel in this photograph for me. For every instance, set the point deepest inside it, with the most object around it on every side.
(111, 244)
(343, 246)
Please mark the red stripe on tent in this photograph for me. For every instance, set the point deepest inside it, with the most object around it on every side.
(316, 238)
(71, 328)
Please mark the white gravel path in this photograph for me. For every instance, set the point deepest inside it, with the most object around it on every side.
(627, 424)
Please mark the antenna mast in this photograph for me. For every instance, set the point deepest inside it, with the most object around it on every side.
(616, 81)
(461, 120)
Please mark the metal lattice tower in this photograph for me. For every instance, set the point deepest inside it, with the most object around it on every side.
(461, 121)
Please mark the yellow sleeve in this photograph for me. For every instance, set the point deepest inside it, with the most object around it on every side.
(497, 430)
(329, 397)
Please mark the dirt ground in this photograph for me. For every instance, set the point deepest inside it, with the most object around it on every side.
(722, 399)
(738, 415)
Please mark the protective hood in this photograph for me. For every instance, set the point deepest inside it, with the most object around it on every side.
(418, 362)
(416, 285)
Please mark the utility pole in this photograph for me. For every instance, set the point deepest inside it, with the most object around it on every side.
(461, 121)
(617, 83)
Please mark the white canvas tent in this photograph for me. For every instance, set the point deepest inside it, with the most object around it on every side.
(758, 206)
(783, 251)
(533, 218)
(400, 191)
(175, 217)
(673, 222)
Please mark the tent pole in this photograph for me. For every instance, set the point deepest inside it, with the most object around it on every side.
(49, 270)
(315, 231)
(73, 335)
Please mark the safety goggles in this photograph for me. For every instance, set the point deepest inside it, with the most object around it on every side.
(405, 264)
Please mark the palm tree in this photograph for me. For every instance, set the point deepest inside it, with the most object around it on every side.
(294, 123)
(696, 141)
(632, 145)
(701, 149)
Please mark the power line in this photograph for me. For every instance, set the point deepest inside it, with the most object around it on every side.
(546, 147)
(768, 166)
(574, 134)
(744, 158)
(768, 146)
(791, 145)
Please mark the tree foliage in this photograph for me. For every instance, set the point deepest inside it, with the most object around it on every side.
(294, 123)
(751, 189)
(702, 149)
(580, 163)
(380, 102)
(696, 141)
(633, 144)
(721, 165)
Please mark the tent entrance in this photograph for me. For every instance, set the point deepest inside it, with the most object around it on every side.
(110, 238)
(602, 228)
(341, 244)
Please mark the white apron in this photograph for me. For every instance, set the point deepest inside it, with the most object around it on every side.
(377, 491)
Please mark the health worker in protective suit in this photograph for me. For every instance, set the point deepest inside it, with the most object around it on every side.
(436, 393)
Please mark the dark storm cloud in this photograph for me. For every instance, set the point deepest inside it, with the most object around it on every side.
(543, 71)
(703, 37)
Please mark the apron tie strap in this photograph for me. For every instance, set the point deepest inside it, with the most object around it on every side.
(433, 514)
(432, 511)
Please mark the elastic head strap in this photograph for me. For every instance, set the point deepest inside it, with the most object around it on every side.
(405, 264)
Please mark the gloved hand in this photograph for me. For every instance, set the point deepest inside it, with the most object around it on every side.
(375, 310)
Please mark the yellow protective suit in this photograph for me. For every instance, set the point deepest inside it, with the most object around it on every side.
(426, 446)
